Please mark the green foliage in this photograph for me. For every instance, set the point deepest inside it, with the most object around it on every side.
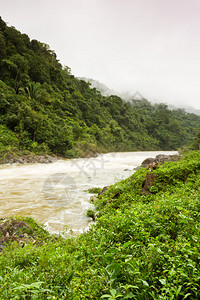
(141, 247)
(94, 190)
(196, 143)
(8, 140)
(90, 214)
(48, 108)
(32, 291)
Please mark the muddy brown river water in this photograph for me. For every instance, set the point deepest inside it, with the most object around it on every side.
(54, 194)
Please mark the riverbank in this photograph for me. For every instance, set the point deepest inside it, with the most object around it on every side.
(24, 157)
(20, 158)
(143, 246)
(10, 158)
(54, 193)
(21, 231)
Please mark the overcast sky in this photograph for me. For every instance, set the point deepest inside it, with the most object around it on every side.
(150, 46)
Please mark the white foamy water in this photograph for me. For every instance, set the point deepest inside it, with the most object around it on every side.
(54, 194)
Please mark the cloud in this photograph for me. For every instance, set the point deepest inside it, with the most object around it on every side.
(147, 46)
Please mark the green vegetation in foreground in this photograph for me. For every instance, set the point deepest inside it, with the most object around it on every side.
(142, 246)
(45, 109)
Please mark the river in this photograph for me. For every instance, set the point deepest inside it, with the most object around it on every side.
(55, 194)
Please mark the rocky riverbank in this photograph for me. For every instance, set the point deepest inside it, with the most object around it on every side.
(21, 232)
(30, 158)
(159, 159)
(12, 230)
(152, 164)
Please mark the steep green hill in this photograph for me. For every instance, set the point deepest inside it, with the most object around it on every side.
(45, 109)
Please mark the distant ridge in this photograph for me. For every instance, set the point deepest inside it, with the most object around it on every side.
(106, 91)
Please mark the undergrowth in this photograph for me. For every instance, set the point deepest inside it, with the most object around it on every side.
(141, 247)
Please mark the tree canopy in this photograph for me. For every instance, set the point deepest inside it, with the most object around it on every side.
(44, 108)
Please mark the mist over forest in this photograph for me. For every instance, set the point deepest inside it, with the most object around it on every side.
(46, 109)
(127, 96)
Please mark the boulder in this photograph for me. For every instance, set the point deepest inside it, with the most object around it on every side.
(159, 159)
(147, 162)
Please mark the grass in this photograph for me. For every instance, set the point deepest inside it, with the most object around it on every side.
(141, 247)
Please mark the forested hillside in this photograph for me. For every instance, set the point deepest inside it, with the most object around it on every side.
(45, 109)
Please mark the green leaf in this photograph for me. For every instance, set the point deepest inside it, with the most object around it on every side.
(127, 244)
(178, 290)
(187, 295)
(113, 292)
(162, 281)
(145, 282)
(105, 296)
(70, 277)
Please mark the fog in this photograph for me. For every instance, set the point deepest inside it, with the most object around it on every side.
(147, 46)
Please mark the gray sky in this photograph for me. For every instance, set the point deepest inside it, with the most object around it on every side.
(150, 46)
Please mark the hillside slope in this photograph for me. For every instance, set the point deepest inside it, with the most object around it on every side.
(45, 109)
(143, 245)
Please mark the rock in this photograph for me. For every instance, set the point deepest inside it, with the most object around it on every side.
(159, 159)
(147, 162)
(175, 157)
(152, 166)
(149, 181)
(103, 190)
(24, 159)
(20, 160)
(11, 230)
